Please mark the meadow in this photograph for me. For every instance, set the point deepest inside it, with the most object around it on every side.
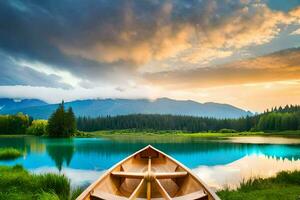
(18, 183)
(286, 185)
(174, 133)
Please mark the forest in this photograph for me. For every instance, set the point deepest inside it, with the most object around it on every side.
(276, 119)
(63, 122)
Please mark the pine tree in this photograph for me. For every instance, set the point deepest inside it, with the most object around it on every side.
(62, 123)
(70, 121)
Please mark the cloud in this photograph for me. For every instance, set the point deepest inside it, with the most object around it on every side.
(254, 97)
(14, 74)
(173, 28)
(253, 24)
(142, 48)
(296, 32)
(279, 66)
(32, 31)
(55, 95)
(108, 38)
(254, 84)
(205, 55)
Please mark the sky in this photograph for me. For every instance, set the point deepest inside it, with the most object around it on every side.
(241, 52)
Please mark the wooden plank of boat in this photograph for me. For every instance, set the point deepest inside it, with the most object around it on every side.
(148, 174)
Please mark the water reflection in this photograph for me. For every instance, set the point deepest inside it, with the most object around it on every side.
(60, 151)
(251, 166)
(90, 156)
(264, 140)
(78, 177)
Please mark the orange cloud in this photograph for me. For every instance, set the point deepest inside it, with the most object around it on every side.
(196, 37)
(281, 66)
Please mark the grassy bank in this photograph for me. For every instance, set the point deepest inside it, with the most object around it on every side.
(17, 183)
(286, 185)
(150, 133)
(9, 153)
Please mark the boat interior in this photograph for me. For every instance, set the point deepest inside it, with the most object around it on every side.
(149, 174)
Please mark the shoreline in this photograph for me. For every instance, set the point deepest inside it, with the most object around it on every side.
(134, 133)
(181, 134)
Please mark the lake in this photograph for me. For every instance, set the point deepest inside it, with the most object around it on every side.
(220, 163)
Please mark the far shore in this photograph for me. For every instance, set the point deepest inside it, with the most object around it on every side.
(153, 134)
(213, 135)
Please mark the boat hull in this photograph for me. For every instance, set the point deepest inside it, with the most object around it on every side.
(148, 174)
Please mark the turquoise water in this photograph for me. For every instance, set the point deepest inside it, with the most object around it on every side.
(84, 159)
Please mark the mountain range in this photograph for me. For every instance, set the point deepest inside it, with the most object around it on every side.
(102, 107)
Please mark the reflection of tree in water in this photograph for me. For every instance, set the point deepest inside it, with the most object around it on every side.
(61, 152)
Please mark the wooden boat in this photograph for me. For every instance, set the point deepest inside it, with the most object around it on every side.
(148, 174)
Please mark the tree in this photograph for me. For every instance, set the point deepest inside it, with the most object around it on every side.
(62, 123)
(14, 124)
(37, 127)
(70, 121)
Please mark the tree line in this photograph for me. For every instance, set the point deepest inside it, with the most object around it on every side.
(163, 122)
(62, 123)
(276, 119)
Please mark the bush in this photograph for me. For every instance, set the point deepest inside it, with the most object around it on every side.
(225, 130)
(38, 127)
(9, 153)
(14, 124)
(80, 134)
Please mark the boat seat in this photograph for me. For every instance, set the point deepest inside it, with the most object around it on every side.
(100, 195)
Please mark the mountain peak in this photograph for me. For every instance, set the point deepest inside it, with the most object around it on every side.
(113, 107)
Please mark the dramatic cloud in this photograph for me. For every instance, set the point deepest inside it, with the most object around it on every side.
(280, 66)
(14, 74)
(74, 48)
(190, 29)
(103, 36)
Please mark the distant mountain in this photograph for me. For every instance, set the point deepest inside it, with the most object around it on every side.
(112, 107)
(8, 105)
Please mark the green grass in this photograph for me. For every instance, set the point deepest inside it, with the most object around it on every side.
(295, 133)
(76, 192)
(140, 134)
(285, 186)
(17, 183)
(174, 133)
(135, 132)
(47, 196)
(9, 153)
(163, 136)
